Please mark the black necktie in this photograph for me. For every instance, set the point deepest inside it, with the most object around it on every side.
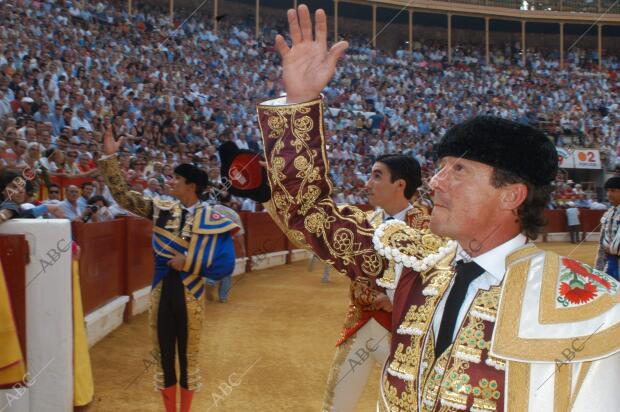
(389, 218)
(465, 274)
(183, 217)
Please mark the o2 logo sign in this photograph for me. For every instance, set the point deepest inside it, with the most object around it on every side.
(581, 159)
(586, 157)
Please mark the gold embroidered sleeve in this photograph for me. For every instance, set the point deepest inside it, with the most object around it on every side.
(128, 199)
(295, 150)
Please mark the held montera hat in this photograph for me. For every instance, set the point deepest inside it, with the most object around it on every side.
(243, 174)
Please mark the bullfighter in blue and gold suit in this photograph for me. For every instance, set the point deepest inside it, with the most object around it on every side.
(190, 242)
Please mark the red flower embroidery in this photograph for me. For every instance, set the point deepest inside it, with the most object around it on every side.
(576, 293)
(577, 268)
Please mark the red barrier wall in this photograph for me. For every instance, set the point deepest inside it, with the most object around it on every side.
(117, 257)
(102, 261)
(556, 221)
(262, 235)
(139, 263)
(590, 220)
(139, 251)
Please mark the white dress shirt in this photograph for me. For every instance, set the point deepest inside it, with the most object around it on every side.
(242, 144)
(402, 215)
(190, 210)
(494, 264)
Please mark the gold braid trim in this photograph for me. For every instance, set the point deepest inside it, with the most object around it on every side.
(342, 352)
(155, 351)
(419, 217)
(518, 386)
(562, 388)
(194, 328)
(507, 341)
(295, 236)
(128, 199)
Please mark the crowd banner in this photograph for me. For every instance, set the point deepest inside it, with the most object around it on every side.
(570, 158)
(587, 159)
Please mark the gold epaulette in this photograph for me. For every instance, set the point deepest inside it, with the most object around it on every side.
(162, 204)
(374, 217)
(419, 216)
(403, 246)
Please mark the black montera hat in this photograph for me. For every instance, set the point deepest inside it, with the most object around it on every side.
(192, 174)
(613, 183)
(503, 144)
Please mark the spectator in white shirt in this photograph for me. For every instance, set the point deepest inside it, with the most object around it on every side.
(18, 151)
(79, 120)
(167, 195)
(153, 190)
(574, 225)
(70, 205)
(242, 143)
(5, 104)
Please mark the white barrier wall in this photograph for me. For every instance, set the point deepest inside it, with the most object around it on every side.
(49, 326)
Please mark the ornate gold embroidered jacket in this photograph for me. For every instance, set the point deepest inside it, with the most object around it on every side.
(514, 336)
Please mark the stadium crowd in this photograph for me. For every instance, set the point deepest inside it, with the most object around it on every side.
(177, 92)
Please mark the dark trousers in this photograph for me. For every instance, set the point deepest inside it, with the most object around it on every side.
(574, 231)
(172, 329)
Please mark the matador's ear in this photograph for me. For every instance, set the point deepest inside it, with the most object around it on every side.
(243, 174)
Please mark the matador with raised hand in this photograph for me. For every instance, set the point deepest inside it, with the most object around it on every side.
(485, 321)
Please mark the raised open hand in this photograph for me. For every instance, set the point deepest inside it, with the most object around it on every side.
(307, 65)
(110, 145)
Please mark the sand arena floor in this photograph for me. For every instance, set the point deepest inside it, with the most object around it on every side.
(268, 349)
